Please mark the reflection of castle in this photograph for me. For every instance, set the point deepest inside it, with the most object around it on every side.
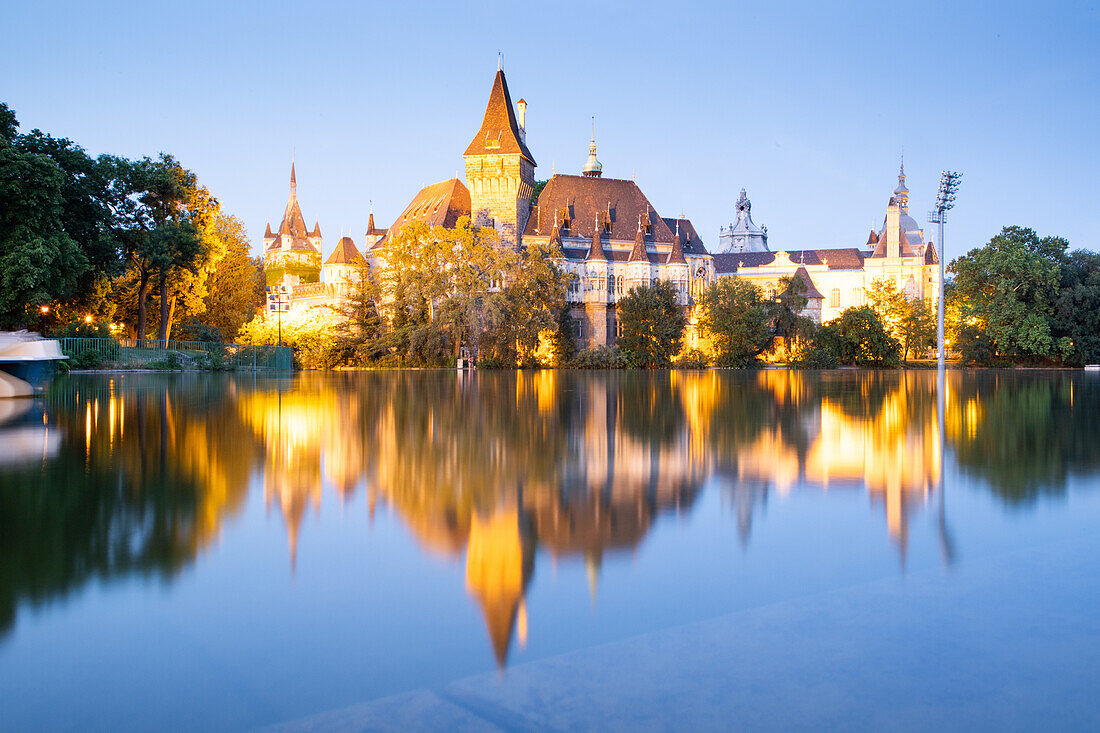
(893, 449)
(495, 467)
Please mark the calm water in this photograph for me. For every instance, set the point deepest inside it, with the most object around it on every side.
(224, 552)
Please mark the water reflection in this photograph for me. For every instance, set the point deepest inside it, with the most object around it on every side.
(503, 472)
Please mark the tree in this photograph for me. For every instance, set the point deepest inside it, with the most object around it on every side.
(360, 327)
(474, 264)
(40, 261)
(787, 323)
(736, 318)
(1077, 306)
(1007, 289)
(160, 216)
(652, 325)
(235, 285)
(856, 337)
(530, 305)
(909, 319)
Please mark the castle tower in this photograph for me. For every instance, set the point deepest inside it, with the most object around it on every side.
(500, 170)
(293, 253)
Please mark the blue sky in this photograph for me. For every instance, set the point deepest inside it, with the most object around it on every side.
(808, 106)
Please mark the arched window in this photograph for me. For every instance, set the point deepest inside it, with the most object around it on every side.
(834, 298)
(619, 285)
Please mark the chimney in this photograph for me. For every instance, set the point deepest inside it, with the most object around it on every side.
(521, 107)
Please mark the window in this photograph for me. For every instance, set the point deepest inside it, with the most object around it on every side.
(610, 284)
(857, 296)
(834, 298)
(619, 285)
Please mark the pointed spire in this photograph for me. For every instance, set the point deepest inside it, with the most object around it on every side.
(293, 180)
(595, 252)
(638, 254)
(555, 236)
(269, 234)
(676, 255)
(593, 168)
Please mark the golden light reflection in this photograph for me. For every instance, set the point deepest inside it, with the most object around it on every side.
(498, 467)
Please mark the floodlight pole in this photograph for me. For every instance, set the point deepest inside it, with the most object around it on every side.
(945, 200)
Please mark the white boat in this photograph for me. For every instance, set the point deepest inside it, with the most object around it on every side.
(27, 363)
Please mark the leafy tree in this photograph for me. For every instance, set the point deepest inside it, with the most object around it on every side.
(787, 322)
(909, 319)
(1008, 289)
(736, 318)
(159, 212)
(235, 284)
(856, 337)
(652, 325)
(1077, 306)
(563, 342)
(40, 261)
(529, 305)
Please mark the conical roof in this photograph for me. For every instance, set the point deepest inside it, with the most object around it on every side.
(676, 255)
(596, 252)
(499, 131)
(638, 254)
(346, 253)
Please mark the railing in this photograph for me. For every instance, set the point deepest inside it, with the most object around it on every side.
(190, 354)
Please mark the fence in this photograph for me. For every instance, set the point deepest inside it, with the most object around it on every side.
(189, 353)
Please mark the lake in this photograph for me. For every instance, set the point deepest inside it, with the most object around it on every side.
(551, 550)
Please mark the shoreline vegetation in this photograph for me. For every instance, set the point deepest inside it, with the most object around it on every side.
(113, 248)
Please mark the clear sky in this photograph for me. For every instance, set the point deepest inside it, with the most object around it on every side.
(808, 106)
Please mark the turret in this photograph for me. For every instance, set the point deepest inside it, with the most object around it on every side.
(500, 170)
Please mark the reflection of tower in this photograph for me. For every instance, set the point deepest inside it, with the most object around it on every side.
(499, 562)
(746, 495)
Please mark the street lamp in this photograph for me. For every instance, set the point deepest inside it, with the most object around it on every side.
(945, 200)
(277, 302)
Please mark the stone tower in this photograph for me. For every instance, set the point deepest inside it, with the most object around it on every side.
(500, 170)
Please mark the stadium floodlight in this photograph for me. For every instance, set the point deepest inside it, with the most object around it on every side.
(945, 201)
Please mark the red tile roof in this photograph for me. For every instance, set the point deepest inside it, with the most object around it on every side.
(586, 201)
(346, 253)
(440, 204)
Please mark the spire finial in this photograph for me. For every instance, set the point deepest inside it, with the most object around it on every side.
(593, 168)
(293, 178)
(500, 61)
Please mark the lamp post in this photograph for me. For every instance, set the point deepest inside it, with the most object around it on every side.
(277, 303)
(945, 200)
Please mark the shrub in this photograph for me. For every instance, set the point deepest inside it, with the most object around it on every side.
(170, 363)
(599, 357)
(975, 346)
(86, 359)
(692, 359)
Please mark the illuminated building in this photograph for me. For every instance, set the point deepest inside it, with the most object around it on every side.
(837, 277)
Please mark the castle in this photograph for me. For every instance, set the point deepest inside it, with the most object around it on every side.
(611, 237)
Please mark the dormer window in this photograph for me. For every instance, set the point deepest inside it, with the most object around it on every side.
(491, 143)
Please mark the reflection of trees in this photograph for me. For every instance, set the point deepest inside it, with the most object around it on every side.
(142, 480)
(1024, 433)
